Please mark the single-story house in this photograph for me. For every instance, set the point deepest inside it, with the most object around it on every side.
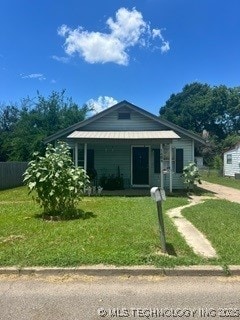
(129, 142)
(231, 161)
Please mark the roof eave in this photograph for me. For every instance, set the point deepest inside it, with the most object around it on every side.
(136, 108)
(82, 123)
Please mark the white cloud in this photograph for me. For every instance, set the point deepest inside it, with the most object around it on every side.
(127, 30)
(61, 59)
(157, 33)
(38, 76)
(128, 27)
(101, 103)
(165, 47)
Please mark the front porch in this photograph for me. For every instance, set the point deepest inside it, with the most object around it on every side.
(137, 164)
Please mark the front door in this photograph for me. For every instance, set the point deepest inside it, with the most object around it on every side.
(140, 166)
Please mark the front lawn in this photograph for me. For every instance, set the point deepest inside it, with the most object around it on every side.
(219, 220)
(112, 230)
(213, 177)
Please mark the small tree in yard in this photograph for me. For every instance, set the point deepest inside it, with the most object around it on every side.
(218, 164)
(58, 185)
(191, 175)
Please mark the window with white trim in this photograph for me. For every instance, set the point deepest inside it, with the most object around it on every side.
(229, 159)
(165, 159)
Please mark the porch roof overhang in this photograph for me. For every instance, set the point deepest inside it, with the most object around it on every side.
(124, 135)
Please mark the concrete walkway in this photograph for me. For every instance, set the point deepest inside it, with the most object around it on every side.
(194, 238)
(222, 192)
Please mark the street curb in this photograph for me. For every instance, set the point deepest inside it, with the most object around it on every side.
(104, 271)
(234, 270)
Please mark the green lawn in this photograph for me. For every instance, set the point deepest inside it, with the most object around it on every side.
(219, 220)
(214, 177)
(112, 230)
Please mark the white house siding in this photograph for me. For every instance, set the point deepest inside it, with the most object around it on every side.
(109, 157)
(188, 156)
(234, 167)
(136, 122)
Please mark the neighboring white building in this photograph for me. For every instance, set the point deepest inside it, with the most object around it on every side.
(231, 161)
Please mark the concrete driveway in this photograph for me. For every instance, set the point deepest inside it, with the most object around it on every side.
(222, 192)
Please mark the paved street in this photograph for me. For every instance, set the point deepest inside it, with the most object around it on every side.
(84, 297)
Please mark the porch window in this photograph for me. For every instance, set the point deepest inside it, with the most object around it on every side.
(90, 157)
(229, 159)
(80, 158)
(166, 159)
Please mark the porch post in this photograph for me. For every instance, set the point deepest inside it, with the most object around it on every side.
(85, 157)
(170, 167)
(76, 155)
(161, 165)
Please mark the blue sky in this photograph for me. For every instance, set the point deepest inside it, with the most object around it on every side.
(108, 51)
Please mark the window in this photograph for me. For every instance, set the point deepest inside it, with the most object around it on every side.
(124, 116)
(90, 157)
(165, 159)
(229, 159)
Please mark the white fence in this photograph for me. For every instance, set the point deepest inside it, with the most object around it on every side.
(11, 174)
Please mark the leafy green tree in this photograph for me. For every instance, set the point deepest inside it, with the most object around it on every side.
(201, 107)
(213, 110)
(23, 129)
(233, 111)
(188, 108)
(218, 164)
(9, 116)
(58, 185)
(230, 141)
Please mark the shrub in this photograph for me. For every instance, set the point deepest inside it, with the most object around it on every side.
(218, 164)
(58, 185)
(112, 182)
(191, 175)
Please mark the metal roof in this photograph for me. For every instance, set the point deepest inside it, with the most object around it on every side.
(164, 134)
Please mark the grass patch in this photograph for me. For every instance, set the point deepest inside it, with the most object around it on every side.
(219, 220)
(213, 177)
(110, 230)
(15, 195)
